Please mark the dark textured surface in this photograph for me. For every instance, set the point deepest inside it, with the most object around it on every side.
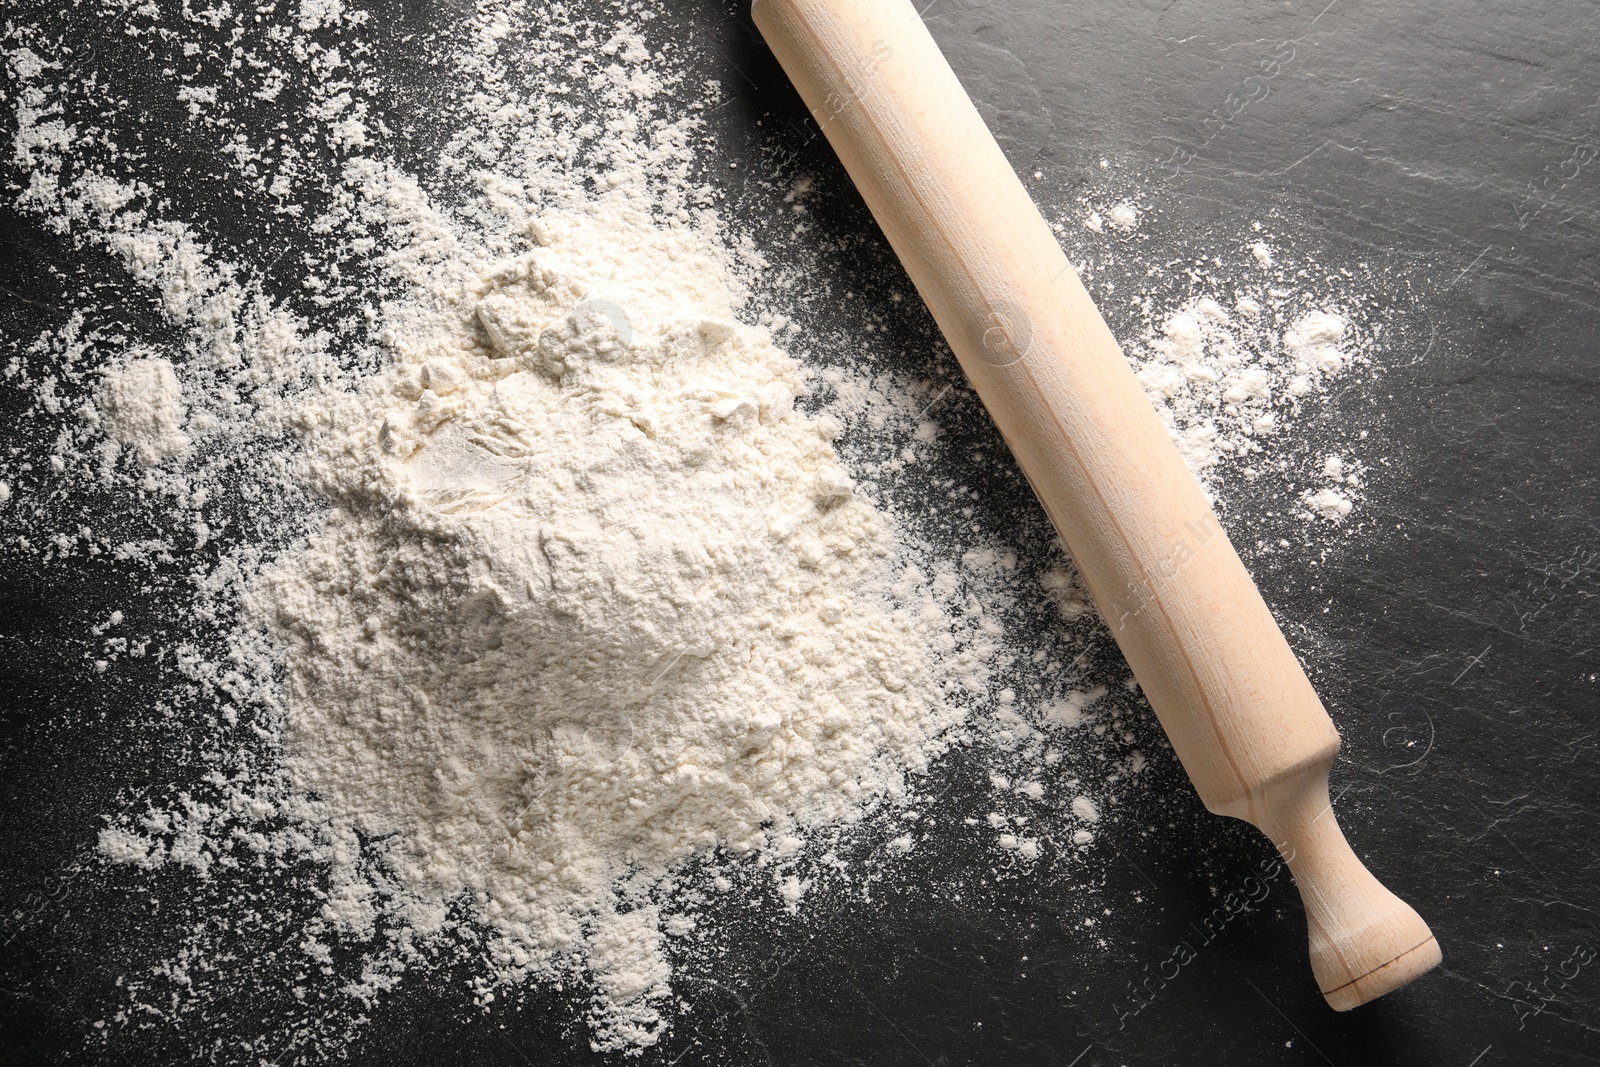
(1450, 146)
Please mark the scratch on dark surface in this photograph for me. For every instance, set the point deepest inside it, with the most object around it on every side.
(1471, 663)
(1290, 1021)
(1135, 866)
(1566, 650)
(1321, 13)
(13, 294)
(1496, 27)
(744, 1012)
(1527, 269)
(1495, 826)
(1474, 263)
(879, 1012)
(1280, 173)
(1576, 747)
(736, 67)
(512, 1045)
(1509, 998)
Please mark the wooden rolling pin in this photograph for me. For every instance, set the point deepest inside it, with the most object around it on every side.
(1227, 688)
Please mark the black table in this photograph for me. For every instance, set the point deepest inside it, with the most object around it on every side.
(1451, 147)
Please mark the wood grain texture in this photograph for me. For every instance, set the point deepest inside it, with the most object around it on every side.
(1232, 697)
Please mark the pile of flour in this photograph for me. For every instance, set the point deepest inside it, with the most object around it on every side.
(594, 597)
(142, 404)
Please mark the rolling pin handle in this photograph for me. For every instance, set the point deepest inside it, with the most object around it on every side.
(1365, 941)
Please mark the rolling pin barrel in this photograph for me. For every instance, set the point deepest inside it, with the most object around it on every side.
(1239, 710)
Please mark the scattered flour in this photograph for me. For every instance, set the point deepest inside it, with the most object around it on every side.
(1234, 357)
(1230, 371)
(528, 597)
(142, 405)
(1330, 504)
(1227, 377)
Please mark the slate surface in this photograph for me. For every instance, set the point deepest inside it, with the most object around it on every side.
(1448, 145)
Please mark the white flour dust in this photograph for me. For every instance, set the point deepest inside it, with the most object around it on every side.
(1238, 350)
(527, 565)
(595, 597)
(1228, 376)
(142, 404)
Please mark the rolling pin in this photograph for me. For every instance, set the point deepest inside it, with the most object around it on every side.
(1239, 710)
